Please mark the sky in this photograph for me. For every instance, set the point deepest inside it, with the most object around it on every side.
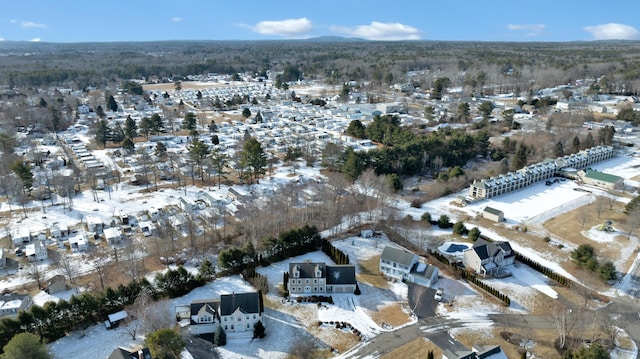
(462, 20)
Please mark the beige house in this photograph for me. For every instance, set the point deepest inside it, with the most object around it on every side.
(493, 214)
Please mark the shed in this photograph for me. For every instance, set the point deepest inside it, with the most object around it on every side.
(493, 214)
(114, 319)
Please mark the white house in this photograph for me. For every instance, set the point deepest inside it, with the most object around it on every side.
(36, 251)
(204, 316)
(94, 224)
(112, 235)
(12, 304)
(187, 204)
(20, 235)
(239, 312)
(78, 243)
(59, 230)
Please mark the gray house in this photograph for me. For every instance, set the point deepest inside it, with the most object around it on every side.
(489, 258)
(397, 263)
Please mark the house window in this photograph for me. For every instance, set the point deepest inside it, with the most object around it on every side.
(239, 319)
(231, 326)
(225, 328)
(254, 316)
(315, 289)
(247, 326)
(225, 319)
(315, 281)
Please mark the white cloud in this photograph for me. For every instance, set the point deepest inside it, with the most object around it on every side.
(176, 19)
(390, 31)
(531, 29)
(13, 21)
(35, 39)
(31, 24)
(613, 31)
(1, 39)
(289, 27)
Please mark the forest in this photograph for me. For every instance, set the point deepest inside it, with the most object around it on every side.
(510, 67)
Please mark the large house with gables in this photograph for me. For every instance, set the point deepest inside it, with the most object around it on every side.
(319, 278)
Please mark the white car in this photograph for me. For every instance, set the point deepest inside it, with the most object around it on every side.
(438, 295)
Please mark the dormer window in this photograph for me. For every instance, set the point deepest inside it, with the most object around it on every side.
(296, 272)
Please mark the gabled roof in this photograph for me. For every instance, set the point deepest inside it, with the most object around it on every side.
(122, 353)
(397, 255)
(485, 249)
(245, 302)
(493, 211)
(198, 307)
(307, 269)
(341, 274)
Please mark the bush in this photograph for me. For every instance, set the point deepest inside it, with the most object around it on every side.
(547, 239)
(417, 202)
(444, 222)
(426, 216)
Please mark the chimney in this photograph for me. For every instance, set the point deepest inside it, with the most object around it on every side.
(140, 354)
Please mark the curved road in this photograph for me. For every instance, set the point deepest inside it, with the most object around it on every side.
(436, 328)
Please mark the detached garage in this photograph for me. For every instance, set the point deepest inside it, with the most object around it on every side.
(493, 214)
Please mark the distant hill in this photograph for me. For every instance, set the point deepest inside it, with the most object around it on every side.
(334, 39)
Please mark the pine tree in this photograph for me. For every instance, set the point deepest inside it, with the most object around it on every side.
(220, 337)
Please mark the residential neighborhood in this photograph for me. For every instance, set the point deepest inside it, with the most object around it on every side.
(246, 214)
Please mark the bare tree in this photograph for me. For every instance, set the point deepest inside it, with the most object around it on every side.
(633, 221)
(611, 200)
(68, 268)
(609, 326)
(36, 273)
(102, 264)
(582, 216)
(599, 205)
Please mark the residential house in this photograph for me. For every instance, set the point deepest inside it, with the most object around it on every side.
(12, 304)
(56, 284)
(600, 179)
(112, 235)
(59, 230)
(36, 251)
(122, 216)
(493, 214)
(204, 316)
(78, 243)
(424, 274)
(20, 235)
(319, 278)
(489, 258)
(489, 352)
(187, 204)
(94, 224)
(122, 353)
(397, 263)
(239, 312)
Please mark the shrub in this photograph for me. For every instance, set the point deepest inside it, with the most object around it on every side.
(417, 202)
(444, 221)
(426, 216)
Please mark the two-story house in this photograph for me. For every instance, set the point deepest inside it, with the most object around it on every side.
(239, 312)
(489, 258)
(320, 278)
(205, 316)
(397, 263)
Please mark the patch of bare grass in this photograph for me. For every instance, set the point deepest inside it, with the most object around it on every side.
(393, 314)
(417, 348)
(370, 273)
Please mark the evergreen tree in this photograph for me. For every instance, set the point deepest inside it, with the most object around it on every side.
(589, 142)
(198, 152)
(219, 162)
(117, 134)
(246, 113)
(128, 145)
(161, 150)
(559, 149)
(157, 123)
(130, 128)
(24, 173)
(575, 145)
(100, 112)
(102, 133)
(113, 105)
(189, 123)
(25, 345)
(520, 158)
(258, 330)
(254, 159)
(485, 108)
(165, 344)
(220, 337)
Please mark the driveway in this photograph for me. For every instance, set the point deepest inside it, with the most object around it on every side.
(421, 300)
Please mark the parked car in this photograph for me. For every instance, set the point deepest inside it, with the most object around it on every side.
(438, 295)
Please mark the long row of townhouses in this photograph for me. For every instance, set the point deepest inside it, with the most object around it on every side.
(533, 173)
